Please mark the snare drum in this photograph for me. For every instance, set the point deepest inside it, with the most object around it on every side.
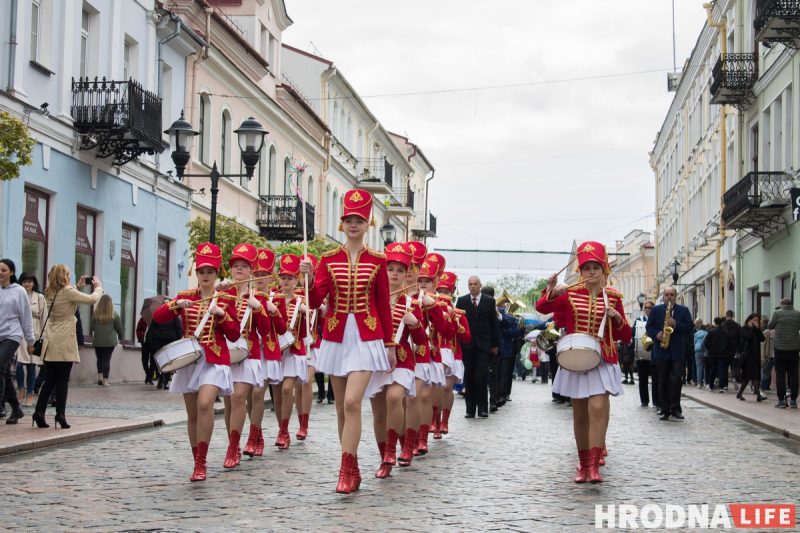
(578, 352)
(178, 354)
(238, 350)
(286, 340)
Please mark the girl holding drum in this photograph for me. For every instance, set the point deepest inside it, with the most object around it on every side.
(253, 313)
(209, 318)
(303, 393)
(594, 318)
(454, 367)
(357, 335)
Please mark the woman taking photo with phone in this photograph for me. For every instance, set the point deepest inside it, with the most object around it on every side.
(60, 347)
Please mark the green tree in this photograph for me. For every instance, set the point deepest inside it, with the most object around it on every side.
(535, 292)
(317, 247)
(229, 233)
(15, 146)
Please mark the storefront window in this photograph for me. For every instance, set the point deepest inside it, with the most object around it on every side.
(84, 259)
(127, 281)
(162, 268)
(34, 235)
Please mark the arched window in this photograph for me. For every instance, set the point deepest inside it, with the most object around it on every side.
(328, 214)
(342, 125)
(287, 177)
(263, 173)
(349, 133)
(310, 191)
(204, 117)
(225, 142)
(334, 212)
(360, 145)
(273, 170)
(335, 119)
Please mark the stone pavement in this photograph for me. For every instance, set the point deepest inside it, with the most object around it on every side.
(510, 472)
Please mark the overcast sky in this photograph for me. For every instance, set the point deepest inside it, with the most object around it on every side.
(559, 153)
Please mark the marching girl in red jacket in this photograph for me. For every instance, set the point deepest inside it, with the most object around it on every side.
(212, 320)
(451, 353)
(593, 310)
(388, 389)
(271, 357)
(357, 334)
(303, 390)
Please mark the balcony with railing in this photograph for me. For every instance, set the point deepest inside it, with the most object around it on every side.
(375, 175)
(426, 233)
(778, 21)
(280, 218)
(400, 203)
(756, 204)
(119, 118)
(734, 76)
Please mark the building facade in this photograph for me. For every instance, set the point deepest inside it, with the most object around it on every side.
(633, 270)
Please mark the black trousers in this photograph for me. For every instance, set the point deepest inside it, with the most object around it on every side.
(103, 354)
(57, 378)
(149, 364)
(786, 370)
(476, 376)
(506, 376)
(670, 381)
(494, 379)
(319, 377)
(643, 369)
(8, 391)
(544, 370)
(655, 372)
(723, 363)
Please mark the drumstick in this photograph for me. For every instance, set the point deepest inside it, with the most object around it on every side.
(247, 280)
(402, 289)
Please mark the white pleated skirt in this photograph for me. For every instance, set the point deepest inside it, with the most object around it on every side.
(457, 370)
(248, 371)
(380, 380)
(190, 378)
(447, 359)
(312, 357)
(424, 372)
(295, 366)
(352, 354)
(438, 377)
(606, 378)
(272, 372)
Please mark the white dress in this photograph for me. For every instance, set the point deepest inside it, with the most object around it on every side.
(352, 354)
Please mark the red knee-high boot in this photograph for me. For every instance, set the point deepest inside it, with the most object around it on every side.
(443, 426)
(437, 424)
(232, 455)
(252, 439)
(422, 440)
(259, 448)
(407, 454)
(384, 470)
(390, 455)
(582, 474)
(343, 486)
(199, 473)
(282, 442)
(302, 433)
(594, 465)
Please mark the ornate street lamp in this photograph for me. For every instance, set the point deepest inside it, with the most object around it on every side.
(641, 299)
(673, 269)
(251, 140)
(388, 234)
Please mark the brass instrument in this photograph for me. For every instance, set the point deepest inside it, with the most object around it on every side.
(548, 338)
(647, 343)
(667, 331)
(514, 304)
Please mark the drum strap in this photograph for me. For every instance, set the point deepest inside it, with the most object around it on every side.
(199, 329)
(402, 325)
(245, 319)
(601, 332)
(297, 302)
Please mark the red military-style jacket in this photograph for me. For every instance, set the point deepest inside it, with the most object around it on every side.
(360, 287)
(299, 330)
(258, 324)
(463, 334)
(269, 339)
(434, 318)
(216, 330)
(579, 312)
(404, 351)
(442, 332)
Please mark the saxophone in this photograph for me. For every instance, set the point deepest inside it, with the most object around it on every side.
(667, 331)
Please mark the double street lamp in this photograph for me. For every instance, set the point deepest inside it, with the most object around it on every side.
(388, 234)
(251, 140)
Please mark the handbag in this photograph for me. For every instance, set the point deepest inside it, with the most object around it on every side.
(39, 343)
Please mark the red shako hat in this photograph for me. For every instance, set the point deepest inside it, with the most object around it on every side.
(593, 251)
(357, 202)
(207, 255)
(244, 252)
(400, 253)
(265, 261)
(448, 281)
(290, 265)
(418, 252)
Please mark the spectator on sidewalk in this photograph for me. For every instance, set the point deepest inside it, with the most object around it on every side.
(733, 331)
(700, 332)
(158, 336)
(716, 345)
(27, 363)
(767, 356)
(105, 327)
(626, 357)
(786, 341)
(751, 337)
(16, 326)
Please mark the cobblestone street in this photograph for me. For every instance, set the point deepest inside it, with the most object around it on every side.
(510, 472)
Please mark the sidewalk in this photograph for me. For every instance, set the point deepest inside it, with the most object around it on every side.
(785, 422)
(94, 411)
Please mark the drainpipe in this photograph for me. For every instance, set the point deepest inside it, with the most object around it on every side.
(723, 159)
(326, 167)
(12, 49)
(428, 215)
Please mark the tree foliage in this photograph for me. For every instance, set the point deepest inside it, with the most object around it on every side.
(522, 286)
(317, 247)
(15, 146)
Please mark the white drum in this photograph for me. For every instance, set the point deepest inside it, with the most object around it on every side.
(178, 354)
(578, 352)
(286, 340)
(238, 350)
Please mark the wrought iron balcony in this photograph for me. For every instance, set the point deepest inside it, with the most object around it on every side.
(375, 175)
(734, 76)
(281, 218)
(400, 202)
(778, 21)
(119, 118)
(429, 232)
(757, 202)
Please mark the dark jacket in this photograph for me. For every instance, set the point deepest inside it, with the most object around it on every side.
(510, 330)
(751, 339)
(716, 343)
(786, 324)
(734, 331)
(159, 335)
(483, 323)
(684, 327)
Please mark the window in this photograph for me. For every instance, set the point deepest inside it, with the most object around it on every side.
(334, 213)
(273, 170)
(202, 138)
(263, 176)
(162, 267)
(264, 44)
(84, 257)
(287, 177)
(328, 212)
(35, 30)
(34, 235)
(310, 191)
(126, 61)
(84, 44)
(784, 287)
(225, 142)
(272, 42)
(127, 281)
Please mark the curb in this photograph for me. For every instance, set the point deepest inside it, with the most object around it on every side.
(760, 423)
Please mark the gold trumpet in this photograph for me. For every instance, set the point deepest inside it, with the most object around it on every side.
(548, 338)
(514, 304)
(647, 343)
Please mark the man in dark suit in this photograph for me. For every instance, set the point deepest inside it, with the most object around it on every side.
(669, 361)
(481, 314)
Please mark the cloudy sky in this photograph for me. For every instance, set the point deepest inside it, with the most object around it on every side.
(537, 114)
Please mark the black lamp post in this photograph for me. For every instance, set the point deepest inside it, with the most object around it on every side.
(641, 299)
(251, 141)
(673, 269)
(388, 234)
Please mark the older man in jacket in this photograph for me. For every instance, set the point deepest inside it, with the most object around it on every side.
(785, 323)
(670, 359)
